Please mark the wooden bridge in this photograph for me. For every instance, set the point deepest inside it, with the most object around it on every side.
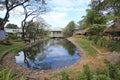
(56, 34)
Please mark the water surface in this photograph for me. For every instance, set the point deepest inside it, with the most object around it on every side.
(49, 54)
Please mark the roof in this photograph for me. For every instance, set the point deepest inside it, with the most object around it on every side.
(13, 30)
(113, 28)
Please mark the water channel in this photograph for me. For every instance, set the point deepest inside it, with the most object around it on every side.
(49, 54)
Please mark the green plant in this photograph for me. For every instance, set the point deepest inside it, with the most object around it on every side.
(81, 76)
(102, 42)
(6, 74)
(63, 75)
(86, 44)
(87, 72)
(103, 77)
(114, 45)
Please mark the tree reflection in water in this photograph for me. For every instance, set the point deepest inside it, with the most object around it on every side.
(50, 54)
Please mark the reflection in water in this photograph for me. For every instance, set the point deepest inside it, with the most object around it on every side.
(49, 54)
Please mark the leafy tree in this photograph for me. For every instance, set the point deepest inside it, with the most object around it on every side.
(96, 29)
(94, 16)
(68, 31)
(11, 26)
(110, 6)
(32, 29)
(82, 23)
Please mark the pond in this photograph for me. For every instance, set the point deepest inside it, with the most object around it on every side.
(49, 54)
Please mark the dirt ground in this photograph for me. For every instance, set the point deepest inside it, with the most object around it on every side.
(93, 62)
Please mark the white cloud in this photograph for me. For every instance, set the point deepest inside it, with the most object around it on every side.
(18, 10)
(66, 3)
(63, 11)
(55, 18)
(89, 1)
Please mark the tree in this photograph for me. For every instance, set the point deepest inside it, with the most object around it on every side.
(68, 31)
(11, 26)
(32, 29)
(110, 6)
(9, 5)
(96, 29)
(94, 16)
(28, 5)
(82, 23)
(34, 9)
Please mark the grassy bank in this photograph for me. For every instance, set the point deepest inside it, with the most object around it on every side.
(86, 45)
(12, 48)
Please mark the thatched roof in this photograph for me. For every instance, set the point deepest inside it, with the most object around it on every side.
(113, 28)
(81, 31)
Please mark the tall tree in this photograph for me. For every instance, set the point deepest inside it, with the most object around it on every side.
(32, 29)
(110, 6)
(9, 5)
(68, 31)
(34, 8)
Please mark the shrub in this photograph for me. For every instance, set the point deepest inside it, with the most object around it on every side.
(81, 76)
(114, 45)
(94, 38)
(103, 77)
(96, 29)
(102, 42)
(6, 74)
(87, 72)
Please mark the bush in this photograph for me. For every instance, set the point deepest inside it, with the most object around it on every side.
(12, 36)
(81, 76)
(96, 29)
(112, 72)
(87, 72)
(102, 42)
(114, 46)
(94, 38)
(6, 74)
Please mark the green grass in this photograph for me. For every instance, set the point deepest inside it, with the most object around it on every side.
(86, 44)
(6, 74)
(12, 48)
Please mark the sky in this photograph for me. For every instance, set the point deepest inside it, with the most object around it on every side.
(61, 13)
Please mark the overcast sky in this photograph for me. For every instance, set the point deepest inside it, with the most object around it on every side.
(62, 12)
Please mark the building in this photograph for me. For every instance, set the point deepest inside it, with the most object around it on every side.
(56, 34)
(17, 31)
(113, 31)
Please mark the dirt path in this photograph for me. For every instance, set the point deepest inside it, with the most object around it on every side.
(98, 61)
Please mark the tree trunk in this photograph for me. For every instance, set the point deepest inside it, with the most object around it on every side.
(23, 29)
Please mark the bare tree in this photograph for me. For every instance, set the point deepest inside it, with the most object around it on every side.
(9, 5)
(32, 9)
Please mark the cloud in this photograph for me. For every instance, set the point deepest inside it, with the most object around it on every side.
(56, 19)
(18, 10)
(63, 11)
(65, 3)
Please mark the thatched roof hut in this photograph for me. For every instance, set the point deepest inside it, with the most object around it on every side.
(113, 31)
(113, 28)
(80, 32)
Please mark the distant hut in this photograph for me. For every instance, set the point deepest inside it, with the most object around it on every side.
(80, 31)
(113, 31)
